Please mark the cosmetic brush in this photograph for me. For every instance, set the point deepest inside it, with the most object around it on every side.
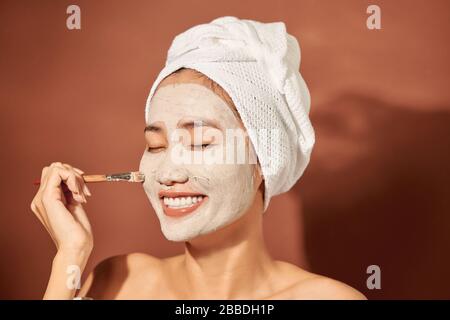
(133, 176)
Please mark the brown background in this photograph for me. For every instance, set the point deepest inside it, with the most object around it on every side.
(377, 189)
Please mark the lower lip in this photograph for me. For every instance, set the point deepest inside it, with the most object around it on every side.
(179, 212)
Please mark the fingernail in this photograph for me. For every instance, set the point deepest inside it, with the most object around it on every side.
(78, 198)
(88, 191)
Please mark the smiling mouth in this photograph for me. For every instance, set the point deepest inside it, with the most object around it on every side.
(181, 205)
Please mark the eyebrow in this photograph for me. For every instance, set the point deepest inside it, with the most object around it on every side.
(191, 124)
(187, 124)
(153, 128)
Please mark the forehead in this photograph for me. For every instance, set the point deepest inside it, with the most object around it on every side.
(174, 101)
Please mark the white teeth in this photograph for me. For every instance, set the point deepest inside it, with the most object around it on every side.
(181, 202)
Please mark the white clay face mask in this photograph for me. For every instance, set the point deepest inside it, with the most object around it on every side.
(220, 193)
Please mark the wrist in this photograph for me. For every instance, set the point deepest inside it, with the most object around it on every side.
(71, 256)
(67, 268)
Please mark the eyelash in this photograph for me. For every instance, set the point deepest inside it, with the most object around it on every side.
(153, 150)
(203, 146)
(193, 147)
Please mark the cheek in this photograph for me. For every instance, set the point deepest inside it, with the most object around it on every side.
(144, 166)
(147, 167)
(237, 194)
(234, 182)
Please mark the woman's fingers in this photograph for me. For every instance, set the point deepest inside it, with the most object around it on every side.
(53, 192)
(39, 212)
(78, 170)
(58, 173)
(86, 190)
(59, 218)
(69, 177)
(57, 205)
(77, 211)
(82, 184)
(81, 216)
(38, 207)
(48, 173)
(43, 177)
(74, 186)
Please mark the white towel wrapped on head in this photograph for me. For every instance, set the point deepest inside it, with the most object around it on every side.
(257, 64)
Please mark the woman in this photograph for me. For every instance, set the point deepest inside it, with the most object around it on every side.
(229, 78)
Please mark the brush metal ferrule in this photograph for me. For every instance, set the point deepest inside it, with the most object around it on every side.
(126, 176)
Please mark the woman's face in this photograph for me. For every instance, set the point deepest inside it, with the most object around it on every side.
(196, 178)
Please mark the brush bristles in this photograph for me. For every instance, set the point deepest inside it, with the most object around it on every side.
(137, 176)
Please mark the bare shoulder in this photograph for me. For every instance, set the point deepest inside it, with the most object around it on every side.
(312, 286)
(324, 288)
(115, 276)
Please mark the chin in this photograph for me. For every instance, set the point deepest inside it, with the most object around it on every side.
(184, 230)
(198, 224)
(178, 235)
(178, 231)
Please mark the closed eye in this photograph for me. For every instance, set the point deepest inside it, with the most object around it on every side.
(155, 150)
(198, 147)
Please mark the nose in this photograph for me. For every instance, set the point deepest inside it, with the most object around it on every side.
(170, 177)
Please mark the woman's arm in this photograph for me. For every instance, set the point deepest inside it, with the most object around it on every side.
(67, 268)
(107, 279)
(58, 206)
(122, 277)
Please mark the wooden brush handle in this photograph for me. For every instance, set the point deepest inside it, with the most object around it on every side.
(94, 177)
(86, 178)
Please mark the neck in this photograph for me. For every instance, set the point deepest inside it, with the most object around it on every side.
(230, 263)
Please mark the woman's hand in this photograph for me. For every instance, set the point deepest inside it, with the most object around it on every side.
(58, 206)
